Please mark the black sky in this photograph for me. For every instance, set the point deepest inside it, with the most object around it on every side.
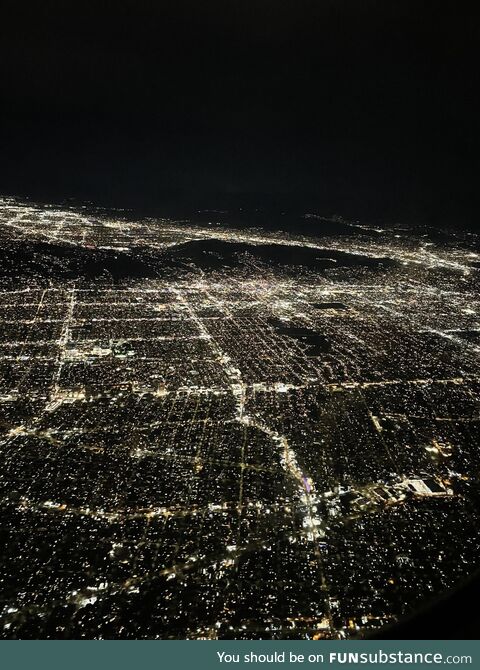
(358, 107)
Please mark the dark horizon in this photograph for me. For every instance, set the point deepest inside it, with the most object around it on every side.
(359, 109)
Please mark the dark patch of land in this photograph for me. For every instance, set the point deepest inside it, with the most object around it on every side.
(49, 260)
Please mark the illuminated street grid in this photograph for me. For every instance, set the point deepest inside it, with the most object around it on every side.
(232, 451)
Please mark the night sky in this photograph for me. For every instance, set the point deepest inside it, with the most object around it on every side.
(360, 108)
